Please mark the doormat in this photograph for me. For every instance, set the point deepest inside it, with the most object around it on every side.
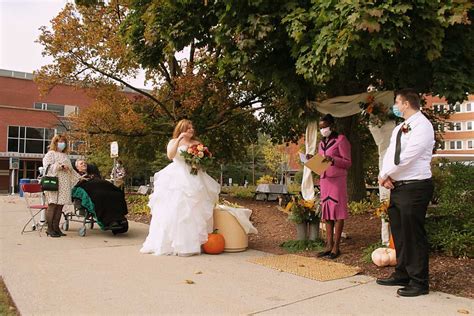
(311, 268)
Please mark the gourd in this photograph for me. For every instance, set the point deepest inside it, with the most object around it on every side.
(215, 243)
(383, 257)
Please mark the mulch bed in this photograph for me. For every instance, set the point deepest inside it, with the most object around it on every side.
(447, 274)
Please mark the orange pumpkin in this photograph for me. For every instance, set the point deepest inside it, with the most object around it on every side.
(215, 243)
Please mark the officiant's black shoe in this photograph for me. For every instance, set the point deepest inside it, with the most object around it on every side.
(323, 254)
(333, 255)
(61, 233)
(411, 291)
(392, 281)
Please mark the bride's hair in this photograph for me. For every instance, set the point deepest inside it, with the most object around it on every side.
(182, 127)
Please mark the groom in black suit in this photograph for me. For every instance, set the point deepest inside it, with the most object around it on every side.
(407, 173)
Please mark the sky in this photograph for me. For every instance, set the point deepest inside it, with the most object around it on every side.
(20, 21)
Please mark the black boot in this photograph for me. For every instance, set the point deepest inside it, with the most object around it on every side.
(57, 219)
(50, 211)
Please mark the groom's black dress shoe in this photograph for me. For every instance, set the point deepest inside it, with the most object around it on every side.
(411, 291)
(391, 281)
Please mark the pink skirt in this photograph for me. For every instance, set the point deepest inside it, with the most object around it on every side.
(334, 198)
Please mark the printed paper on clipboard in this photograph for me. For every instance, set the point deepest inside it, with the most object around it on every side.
(317, 165)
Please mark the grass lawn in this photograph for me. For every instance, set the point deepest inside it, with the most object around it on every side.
(7, 307)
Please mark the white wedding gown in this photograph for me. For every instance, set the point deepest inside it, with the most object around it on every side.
(181, 206)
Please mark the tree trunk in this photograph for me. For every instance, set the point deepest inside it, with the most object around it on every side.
(355, 179)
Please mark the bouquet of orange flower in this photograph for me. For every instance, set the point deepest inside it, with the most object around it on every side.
(375, 113)
(198, 157)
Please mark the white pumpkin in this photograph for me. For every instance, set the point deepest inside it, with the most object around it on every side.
(383, 257)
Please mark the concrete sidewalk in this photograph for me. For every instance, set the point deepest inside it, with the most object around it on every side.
(102, 274)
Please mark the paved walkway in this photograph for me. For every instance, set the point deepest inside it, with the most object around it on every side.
(102, 274)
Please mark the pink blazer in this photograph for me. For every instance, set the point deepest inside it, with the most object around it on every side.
(339, 149)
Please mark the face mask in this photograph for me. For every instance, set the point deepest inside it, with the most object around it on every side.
(397, 111)
(61, 146)
(325, 131)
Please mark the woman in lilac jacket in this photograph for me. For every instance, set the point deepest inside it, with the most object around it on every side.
(333, 183)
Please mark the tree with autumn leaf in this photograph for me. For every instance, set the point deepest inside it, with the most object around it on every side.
(310, 51)
(270, 55)
(89, 52)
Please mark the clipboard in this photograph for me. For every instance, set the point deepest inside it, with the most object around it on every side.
(317, 165)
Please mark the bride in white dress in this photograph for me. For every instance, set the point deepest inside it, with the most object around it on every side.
(181, 204)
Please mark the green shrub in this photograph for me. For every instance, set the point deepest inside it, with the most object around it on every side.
(239, 191)
(244, 192)
(450, 226)
(298, 177)
(137, 204)
(294, 188)
(365, 206)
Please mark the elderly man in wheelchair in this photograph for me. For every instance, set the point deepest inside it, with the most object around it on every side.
(97, 201)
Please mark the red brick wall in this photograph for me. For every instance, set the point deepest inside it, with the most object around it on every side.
(24, 93)
(23, 117)
(455, 135)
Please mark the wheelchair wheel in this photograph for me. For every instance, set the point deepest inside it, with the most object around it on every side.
(82, 231)
(66, 225)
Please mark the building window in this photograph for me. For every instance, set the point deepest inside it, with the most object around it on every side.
(470, 144)
(32, 140)
(469, 126)
(455, 144)
(455, 126)
(455, 107)
(438, 108)
(469, 106)
(56, 108)
(76, 147)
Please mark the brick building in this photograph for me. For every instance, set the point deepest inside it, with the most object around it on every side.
(28, 121)
(458, 138)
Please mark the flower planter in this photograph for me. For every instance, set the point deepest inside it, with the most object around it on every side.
(301, 230)
(314, 231)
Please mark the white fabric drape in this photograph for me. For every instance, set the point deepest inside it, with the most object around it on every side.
(381, 136)
(310, 141)
(349, 104)
(242, 215)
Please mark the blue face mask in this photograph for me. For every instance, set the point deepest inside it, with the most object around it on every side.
(61, 146)
(397, 111)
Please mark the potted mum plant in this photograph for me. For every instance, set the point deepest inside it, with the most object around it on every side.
(306, 216)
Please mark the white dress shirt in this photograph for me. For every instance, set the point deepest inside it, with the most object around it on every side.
(416, 151)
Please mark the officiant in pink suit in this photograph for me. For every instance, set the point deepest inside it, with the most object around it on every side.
(333, 183)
